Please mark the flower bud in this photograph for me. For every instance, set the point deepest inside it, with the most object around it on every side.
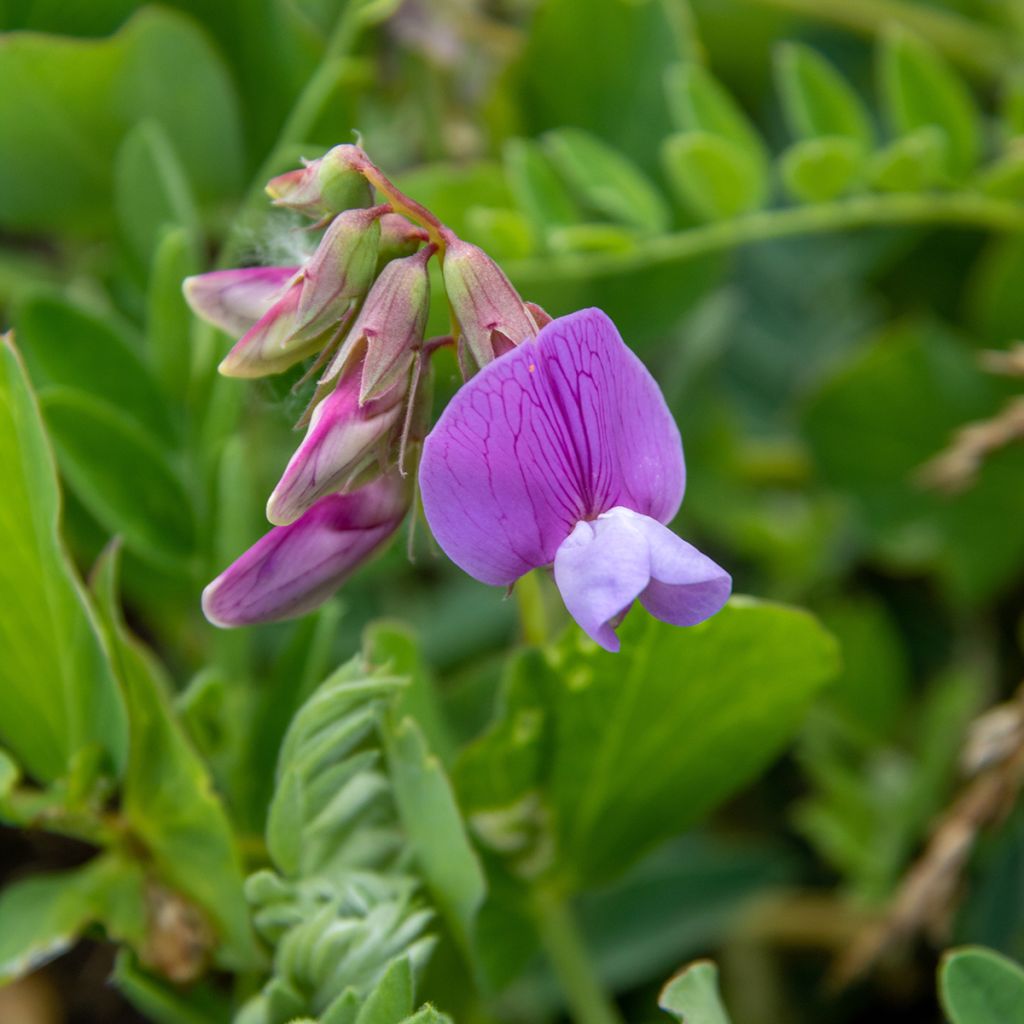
(344, 439)
(270, 345)
(398, 237)
(491, 315)
(294, 568)
(341, 269)
(234, 300)
(326, 186)
(390, 325)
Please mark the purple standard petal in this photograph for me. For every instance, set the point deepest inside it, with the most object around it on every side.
(604, 565)
(294, 568)
(558, 430)
(234, 300)
(343, 438)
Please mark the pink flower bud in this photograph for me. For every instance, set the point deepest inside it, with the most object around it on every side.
(344, 440)
(234, 300)
(341, 269)
(398, 237)
(326, 186)
(390, 325)
(270, 345)
(294, 568)
(492, 316)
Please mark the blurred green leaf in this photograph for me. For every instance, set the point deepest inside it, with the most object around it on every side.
(42, 917)
(67, 346)
(817, 100)
(622, 777)
(700, 104)
(57, 692)
(502, 232)
(821, 169)
(151, 190)
(920, 90)
(122, 475)
(391, 1001)
(536, 186)
(692, 995)
(977, 986)
(606, 180)
(436, 835)
(714, 176)
(66, 104)
(1004, 178)
(163, 1004)
(167, 797)
(913, 163)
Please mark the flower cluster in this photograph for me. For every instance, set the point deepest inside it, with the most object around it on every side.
(558, 451)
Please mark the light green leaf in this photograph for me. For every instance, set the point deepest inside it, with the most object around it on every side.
(391, 1001)
(537, 188)
(817, 100)
(431, 820)
(692, 995)
(428, 1015)
(911, 164)
(592, 238)
(42, 917)
(1004, 178)
(57, 692)
(502, 232)
(700, 104)
(122, 475)
(650, 739)
(606, 180)
(66, 104)
(920, 91)
(714, 176)
(167, 796)
(66, 346)
(151, 189)
(978, 986)
(820, 169)
(285, 821)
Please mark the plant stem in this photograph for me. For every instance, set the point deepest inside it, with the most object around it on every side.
(565, 948)
(975, 47)
(965, 210)
(532, 614)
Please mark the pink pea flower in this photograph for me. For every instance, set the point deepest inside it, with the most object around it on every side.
(562, 452)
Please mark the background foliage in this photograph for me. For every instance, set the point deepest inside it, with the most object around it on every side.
(807, 219)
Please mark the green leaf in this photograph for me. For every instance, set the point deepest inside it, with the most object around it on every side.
(428, 1015)
(391, 1001)
(692, 995)
(285, 821)
(66, 346)
(651, 739)
(41, 917)
(592, 238)
(979, 986)
(57, 692)
(817, 100)
(700, 104)
(920, 90)
(122, 475)
(437, 837)
(151, 189)
(536, 187)
(169, 320)
(66, 104)
(167, 796)
(504, 233)
(911, 164)
(1004, 178)
(606, 180)
(162, 1004)
(714, 176)
(821, 169)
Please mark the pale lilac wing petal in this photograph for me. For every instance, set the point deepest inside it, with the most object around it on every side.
(600, 569)
(557, 430)
(686, 586)
(294, 568)
(235, 299)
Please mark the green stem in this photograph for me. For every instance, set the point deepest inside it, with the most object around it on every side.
(529, 591)
(966, 210)
(975, 47)
(565, 948)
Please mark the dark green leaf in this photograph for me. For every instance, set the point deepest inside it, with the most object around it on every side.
(163, 1004)
(57, 692)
